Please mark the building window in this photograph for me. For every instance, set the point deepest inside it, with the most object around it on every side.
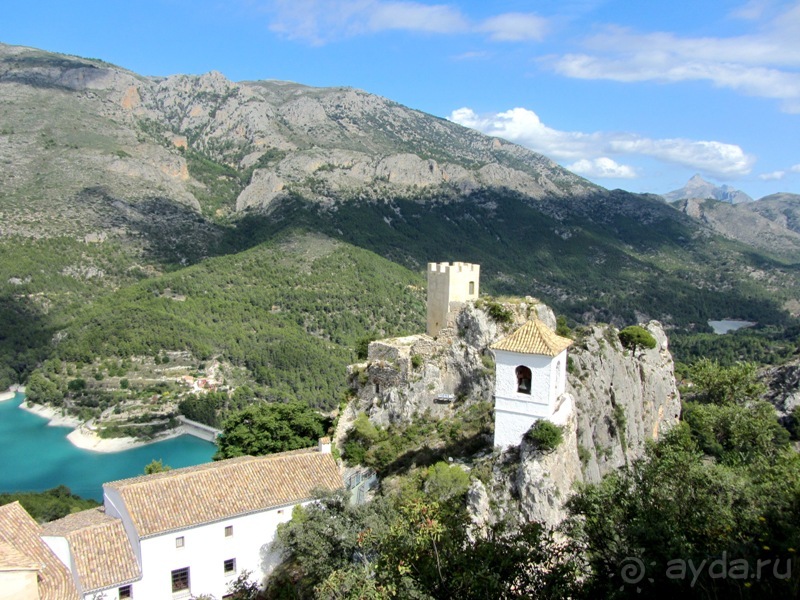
(471, 288)
(179, 542)
(558, 374)
(180, 580)
(229, 531)
(125, 592)
(523, 380)
(229, 566)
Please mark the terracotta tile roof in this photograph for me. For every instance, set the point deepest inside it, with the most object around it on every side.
(21, 532)
(534, 337)
(101, 551)
(12, 559)
(206, 493)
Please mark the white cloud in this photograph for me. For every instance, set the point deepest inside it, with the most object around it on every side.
(602, 168)
(763, 64)
(322, 21)
(795, 168)
(475, 55)
(774, 176)
(524, 127)
(752, 10)
(712, 157)
(515, 27)
(413, 16)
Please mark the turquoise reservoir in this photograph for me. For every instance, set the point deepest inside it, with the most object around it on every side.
(36, 457)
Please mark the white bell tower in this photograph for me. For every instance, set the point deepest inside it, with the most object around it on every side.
(530, 376)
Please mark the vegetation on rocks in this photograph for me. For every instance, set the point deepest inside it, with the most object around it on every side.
(636, 336)
(544, 435)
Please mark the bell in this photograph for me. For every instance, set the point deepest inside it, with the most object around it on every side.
(524, 385)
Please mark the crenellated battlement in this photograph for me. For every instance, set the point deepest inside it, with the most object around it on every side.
(460, 267)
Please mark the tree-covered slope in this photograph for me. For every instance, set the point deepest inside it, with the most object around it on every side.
(603, 261)
(289, 312)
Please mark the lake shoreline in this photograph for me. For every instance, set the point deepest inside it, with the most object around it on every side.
(11, 392)
(84, 436)
(723, 326)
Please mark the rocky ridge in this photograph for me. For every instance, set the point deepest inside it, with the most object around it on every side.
(771, 224)
(97, 124)
(616, 400)
(699, 188)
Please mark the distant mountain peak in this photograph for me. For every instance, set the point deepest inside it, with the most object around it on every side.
(697, 187)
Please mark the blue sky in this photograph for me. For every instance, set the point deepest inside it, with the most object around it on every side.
(639, 95)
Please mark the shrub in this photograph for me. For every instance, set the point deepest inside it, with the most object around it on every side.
(562, 328)
(544, 435)
(444, 481)
(634, 336)
(416, 361)
(76, 385)
(499, 313)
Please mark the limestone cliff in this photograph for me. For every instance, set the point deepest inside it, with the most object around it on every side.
(619, 399)
(616, 400)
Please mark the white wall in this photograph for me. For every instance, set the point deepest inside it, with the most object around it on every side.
(60, 547)
(515, 412)
(205, 550)
(19, 585)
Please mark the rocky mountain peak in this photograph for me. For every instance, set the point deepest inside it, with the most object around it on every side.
(699, 188)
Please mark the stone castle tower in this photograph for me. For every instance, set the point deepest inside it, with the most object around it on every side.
(448, 283)
(530, 377)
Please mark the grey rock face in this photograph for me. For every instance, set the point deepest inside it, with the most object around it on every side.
(621, 399)
(612, 386)
(616, 400)
(699, 188)
(772, 223)
(91, 122)
(783, 387)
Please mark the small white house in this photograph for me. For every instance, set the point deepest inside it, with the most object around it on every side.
(188, 531)
(530, 377)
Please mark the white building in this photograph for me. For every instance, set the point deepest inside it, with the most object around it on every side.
(530, 378)
(183, 532)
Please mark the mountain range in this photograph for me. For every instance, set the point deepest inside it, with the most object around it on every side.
(699, 188)
(185, 213)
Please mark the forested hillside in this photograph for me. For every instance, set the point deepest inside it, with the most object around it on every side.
(288, 312)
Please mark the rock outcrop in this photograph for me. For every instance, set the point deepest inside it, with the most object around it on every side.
(616, 400)
(783, 387)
